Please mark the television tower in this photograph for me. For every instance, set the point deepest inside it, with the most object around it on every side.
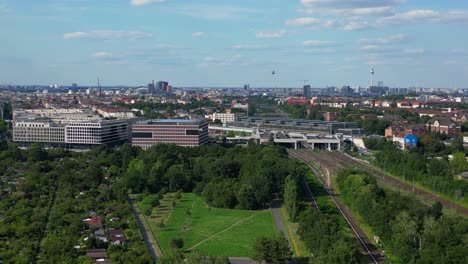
(372, 77)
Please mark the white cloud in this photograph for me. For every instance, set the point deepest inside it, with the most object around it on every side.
(385, 40)
(198, 34)
(264, 35)
(103, 54)
(450, 62)
(414, 51)
(320, 51)
(317, 42)
(413, 15)
(145, 2)
(364, 11)
(370, 47)
(226, 61)
(107, 34)
(304, 21)
(460, 51)
(351, 3)
(356, 25)
(216, 12)
(426, 15)
(249, 47)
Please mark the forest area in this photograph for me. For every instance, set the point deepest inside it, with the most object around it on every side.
(408, 231)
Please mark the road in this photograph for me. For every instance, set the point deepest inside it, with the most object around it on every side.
(275, 210)
(373, 253)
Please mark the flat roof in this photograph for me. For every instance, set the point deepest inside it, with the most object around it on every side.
(171, 121)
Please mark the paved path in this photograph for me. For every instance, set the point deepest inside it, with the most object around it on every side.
(235, 260)
(279, 224)
(152, 245)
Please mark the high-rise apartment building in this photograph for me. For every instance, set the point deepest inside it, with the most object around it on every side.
(306, 91)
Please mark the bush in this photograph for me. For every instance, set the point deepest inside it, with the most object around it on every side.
(177, 242)
(155, 202)
(147, 212)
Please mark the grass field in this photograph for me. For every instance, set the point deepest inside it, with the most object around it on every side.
(212, 231)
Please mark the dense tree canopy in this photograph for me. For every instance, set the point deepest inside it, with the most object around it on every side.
(409, 231)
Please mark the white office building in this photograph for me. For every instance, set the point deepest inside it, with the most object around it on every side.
(79, 134)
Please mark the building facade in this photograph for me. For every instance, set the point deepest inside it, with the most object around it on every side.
(225, 118)
(72, 135)
(444, 125)
(182, 132)
(38, 132)
(97, 133)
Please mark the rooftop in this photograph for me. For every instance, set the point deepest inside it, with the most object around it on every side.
(172, 121)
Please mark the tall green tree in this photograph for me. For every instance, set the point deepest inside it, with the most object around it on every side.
(291, 198)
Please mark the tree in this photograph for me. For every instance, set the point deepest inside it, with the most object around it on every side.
(404, 237)
(36, 153)
(291, 198)
(458, 162)
(174, 256)
(436, 210)
(246, 197)
(177, 242)
(272, 249)
(155, 202)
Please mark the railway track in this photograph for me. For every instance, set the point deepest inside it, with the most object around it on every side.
(399, 183)
(370, 249)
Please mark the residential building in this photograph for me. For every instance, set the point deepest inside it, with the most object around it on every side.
(182, 132)
(444, 125)
(401, 130)
(225, 118)
(306, 91)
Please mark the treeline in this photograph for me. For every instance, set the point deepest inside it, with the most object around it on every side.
(410, 232)
(427, 163)
(238, 177)
(153, 109)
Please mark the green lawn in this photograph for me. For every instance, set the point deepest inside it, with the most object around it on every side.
(203, 224)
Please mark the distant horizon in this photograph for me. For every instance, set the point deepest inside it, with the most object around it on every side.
(215, 87)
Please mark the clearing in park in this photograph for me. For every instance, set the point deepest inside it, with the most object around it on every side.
(211, 231)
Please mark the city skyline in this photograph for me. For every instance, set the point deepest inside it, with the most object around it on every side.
(230, 43)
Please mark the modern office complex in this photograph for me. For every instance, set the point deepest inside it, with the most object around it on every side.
(182, 132)
(79, 134)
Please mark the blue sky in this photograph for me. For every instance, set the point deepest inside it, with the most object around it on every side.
(231, 43)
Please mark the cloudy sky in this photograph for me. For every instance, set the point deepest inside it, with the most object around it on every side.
(235, 42)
